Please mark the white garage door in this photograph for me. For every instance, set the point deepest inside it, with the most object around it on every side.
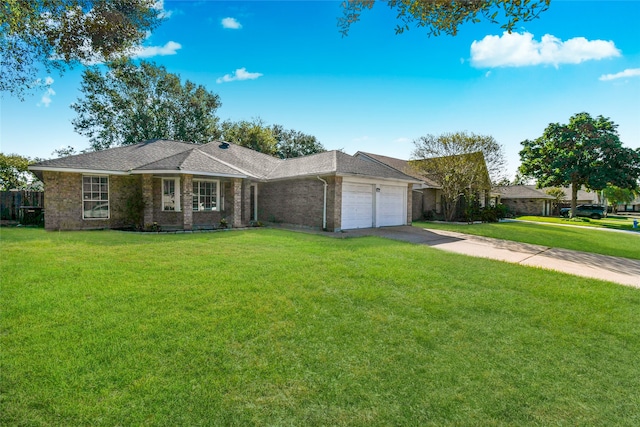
(357, 206)
(392, 206)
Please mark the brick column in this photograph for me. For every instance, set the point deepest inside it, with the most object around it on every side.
(237, 202)
(187, 201)
(246, 201)
(147, 198)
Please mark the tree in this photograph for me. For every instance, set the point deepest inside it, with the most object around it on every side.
(14, 172)
(586, 152)
(129, 104)
(56, 34)
(459, 162)
(255, 135)
(445, 16)
(558, 197)
(273, 140)
(618, 196)
(293, 143)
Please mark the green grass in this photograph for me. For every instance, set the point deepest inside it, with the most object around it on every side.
(611, 222)
(268, 327)
(602, 242)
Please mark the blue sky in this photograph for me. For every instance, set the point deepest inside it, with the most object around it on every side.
(375, 91)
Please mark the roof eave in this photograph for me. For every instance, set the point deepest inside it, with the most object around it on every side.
(77, 170)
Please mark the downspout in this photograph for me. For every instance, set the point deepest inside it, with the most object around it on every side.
(324, 205)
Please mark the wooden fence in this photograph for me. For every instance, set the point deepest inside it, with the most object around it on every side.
(23, 206)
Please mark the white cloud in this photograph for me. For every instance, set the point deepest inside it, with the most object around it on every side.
(170, 48)
(46, 97)
(239, 74)
(629, 72)
(159, 6)
(231, 24)
(520, 50)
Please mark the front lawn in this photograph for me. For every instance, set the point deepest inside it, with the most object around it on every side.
(587, 240)
(269, 327)
(612, 221)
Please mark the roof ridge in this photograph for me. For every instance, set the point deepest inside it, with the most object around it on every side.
(211, 156)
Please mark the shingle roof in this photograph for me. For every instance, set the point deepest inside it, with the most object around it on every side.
(121, 159)
(403, 166)
(219, 158)
(193, 161)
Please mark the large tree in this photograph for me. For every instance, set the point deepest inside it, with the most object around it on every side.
(460, 162)
(293, 143)
(14, 173)
(128, 104)
(618, 196)
(254, 134)
(445, 16)
(54, 34)
(274, 140)
(585, 152)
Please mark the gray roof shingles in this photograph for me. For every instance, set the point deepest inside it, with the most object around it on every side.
(216, 157)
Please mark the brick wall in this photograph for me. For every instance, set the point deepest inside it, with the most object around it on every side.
(298, 202)
(63, 204)
(416, 206)
(524, 206)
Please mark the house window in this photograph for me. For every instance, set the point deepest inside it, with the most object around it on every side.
(205, 195)
(171, 194)
(95, 197)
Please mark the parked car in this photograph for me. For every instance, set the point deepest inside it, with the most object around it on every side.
(590, 211)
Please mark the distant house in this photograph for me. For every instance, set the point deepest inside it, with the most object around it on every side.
(184, 186)
(633, 206)
(427, 193)
(529, 200)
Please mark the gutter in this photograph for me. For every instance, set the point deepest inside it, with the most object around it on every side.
(324, 205)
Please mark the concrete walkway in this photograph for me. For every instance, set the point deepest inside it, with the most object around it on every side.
(613, 269)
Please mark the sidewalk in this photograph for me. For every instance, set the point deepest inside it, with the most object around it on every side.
(613, 269)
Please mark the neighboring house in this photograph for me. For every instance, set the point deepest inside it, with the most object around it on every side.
(529, 200)
(188, 186)
(633, 206)
(427, 193)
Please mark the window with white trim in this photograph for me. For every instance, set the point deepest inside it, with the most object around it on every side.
(205, 195)
(95, 197)
(171, 194)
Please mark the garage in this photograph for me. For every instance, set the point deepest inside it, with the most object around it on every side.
(391, 206)
(367, 205)
(357, 205)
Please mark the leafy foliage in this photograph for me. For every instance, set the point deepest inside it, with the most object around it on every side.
(460, 162)
(558, 195)
(586, 152)
(293, 143)
(14, 172)
(619, 196)
(128, 104)
(273, 140)
(60, 33)
(255, 135)
(445, 16)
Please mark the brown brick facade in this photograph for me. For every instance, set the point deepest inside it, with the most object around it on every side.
(63, 210)
(297, 202)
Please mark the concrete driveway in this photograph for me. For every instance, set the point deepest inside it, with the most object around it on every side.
(613, 269)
